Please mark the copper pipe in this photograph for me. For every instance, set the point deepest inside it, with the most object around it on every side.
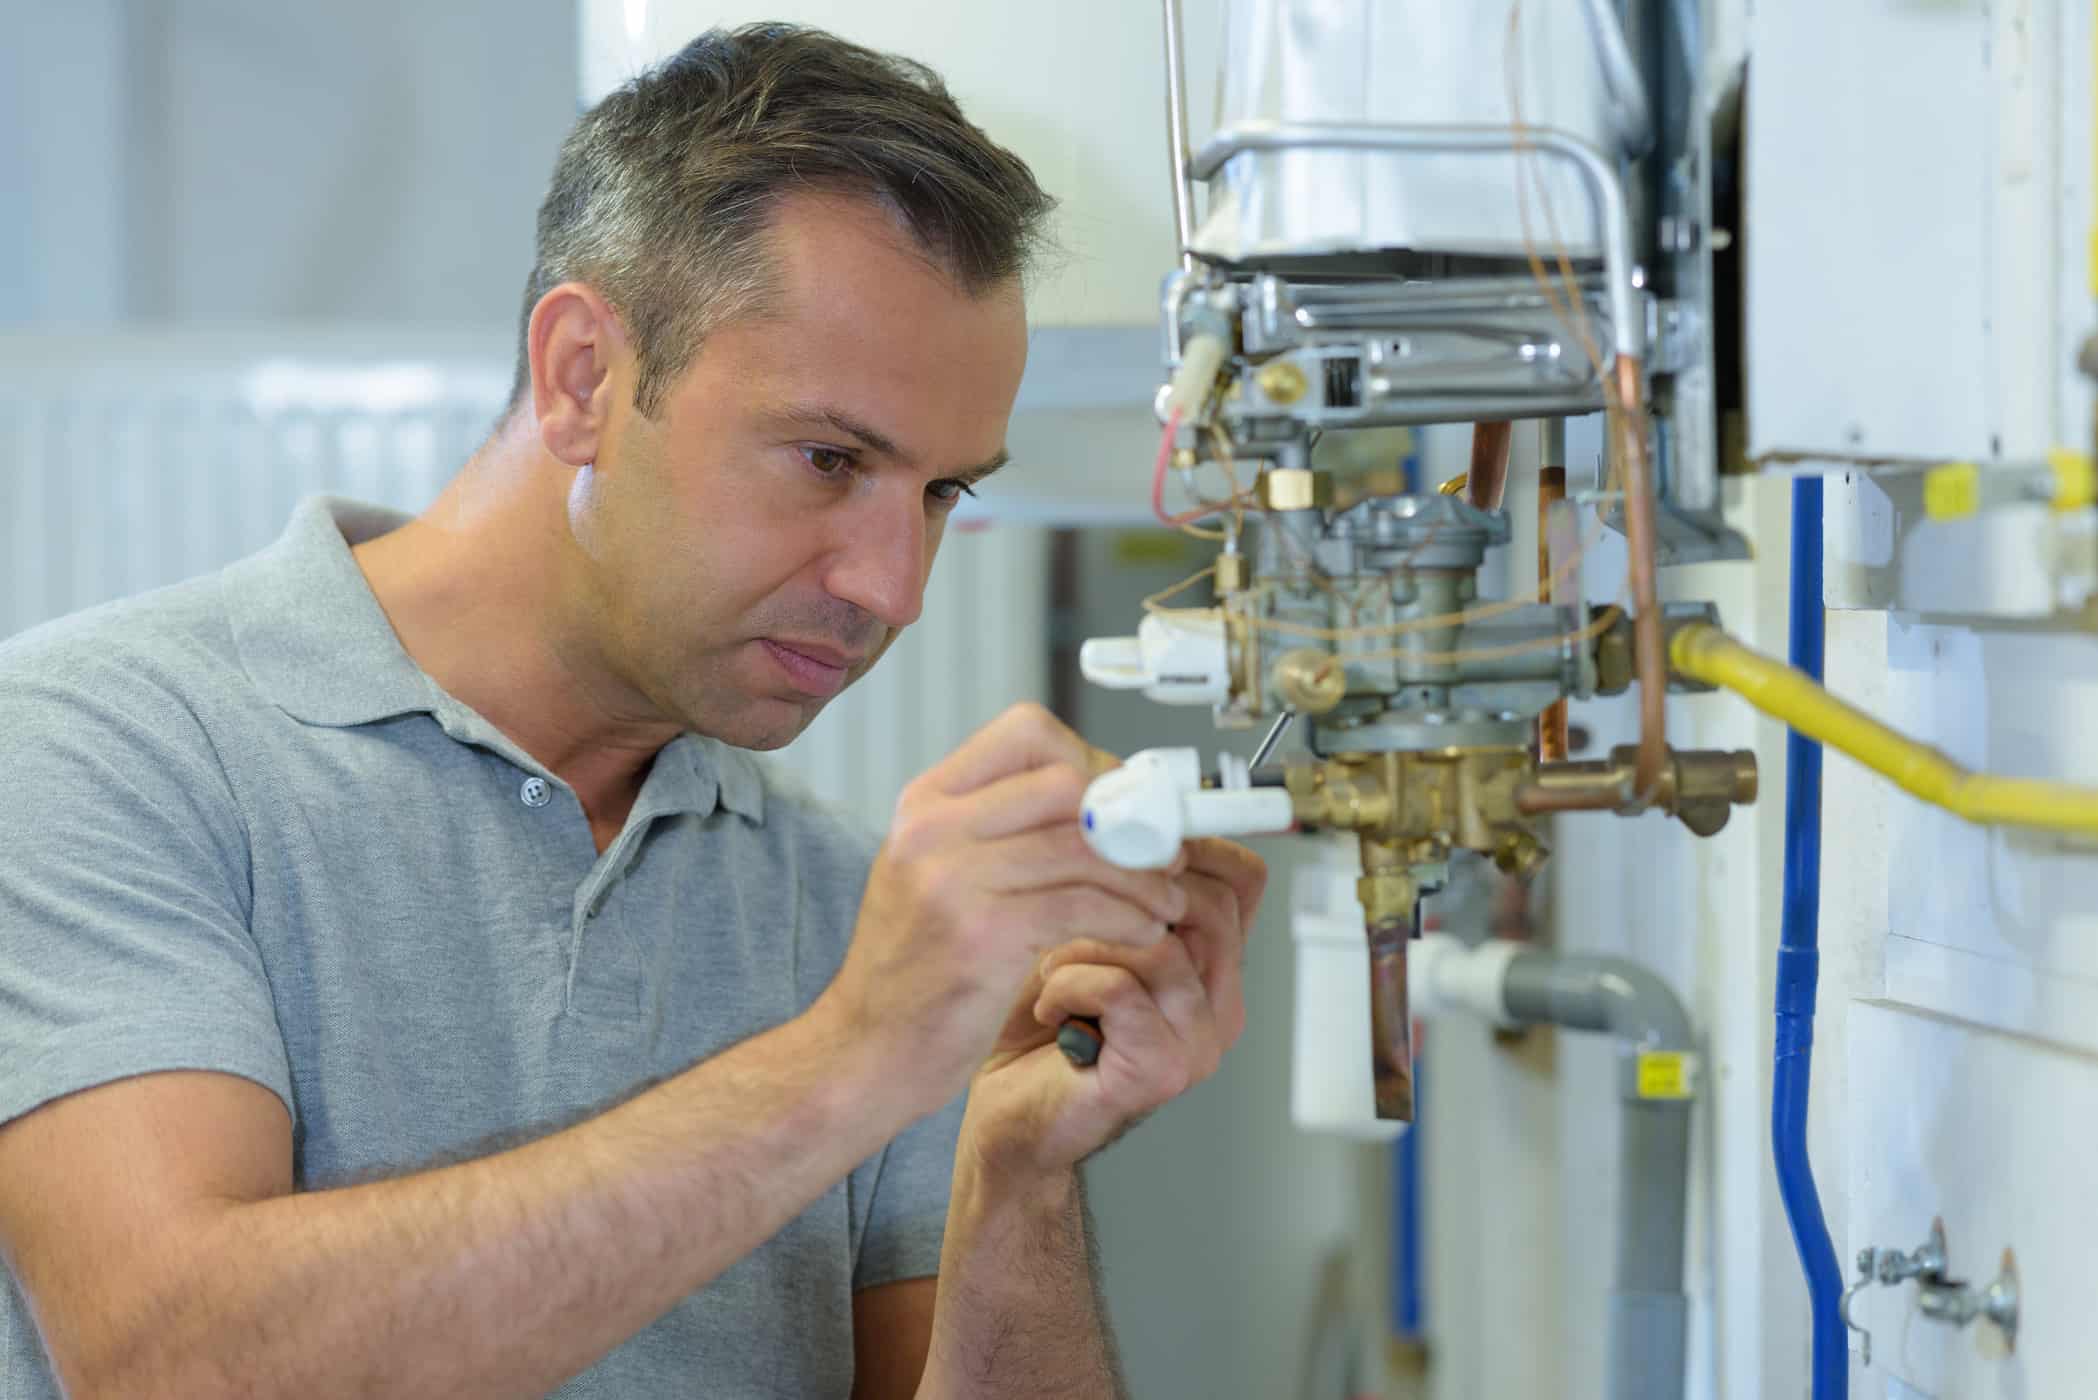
(1649, 656)
(1391, 1027)
(1551, 725)
(1487, 481)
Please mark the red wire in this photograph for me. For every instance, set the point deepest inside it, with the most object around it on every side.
(1158, 482)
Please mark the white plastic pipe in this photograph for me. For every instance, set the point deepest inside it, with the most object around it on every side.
(1138, 816)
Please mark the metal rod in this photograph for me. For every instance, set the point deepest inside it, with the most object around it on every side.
(1273, 737)
(1599, 175)
(1176, 136)
(1551, 488)
(1649, 655)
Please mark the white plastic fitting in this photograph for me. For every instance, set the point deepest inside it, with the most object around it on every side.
(1138, 815)
(1179, 660)
(1444, 975)
(1200, 360)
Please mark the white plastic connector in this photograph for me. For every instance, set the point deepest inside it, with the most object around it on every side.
(1444, 975)
(1178, 660)
(1200, 360)
(1138, 815)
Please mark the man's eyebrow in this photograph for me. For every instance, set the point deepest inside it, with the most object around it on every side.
(976, 474)
(825, 416)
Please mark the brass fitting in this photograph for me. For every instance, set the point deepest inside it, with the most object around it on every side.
(1614, 666)
(1233, 573)
(1419, 804)
(1294, 488)
(1699, 787)
(1282, 382)
(1310, 680)
(1387, 896)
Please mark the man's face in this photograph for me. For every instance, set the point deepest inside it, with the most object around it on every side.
(753, 549)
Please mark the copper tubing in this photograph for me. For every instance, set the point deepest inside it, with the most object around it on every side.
(1487, 481)
(1551, 725)
(1649, 654)
(1391, 1027)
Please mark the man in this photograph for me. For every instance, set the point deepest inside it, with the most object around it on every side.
(409, 987)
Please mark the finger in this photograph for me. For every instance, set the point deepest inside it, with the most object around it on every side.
(1115, 998)
(1055, 856)
(1215, 935)
(1025, 737)
(1237, 866)
(1211, 928)
(1168, 974)
(1040, 797)
(1045, 919)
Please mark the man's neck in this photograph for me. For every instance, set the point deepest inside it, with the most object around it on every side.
(472, 592)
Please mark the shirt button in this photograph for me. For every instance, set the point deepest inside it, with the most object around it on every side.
(535, 792)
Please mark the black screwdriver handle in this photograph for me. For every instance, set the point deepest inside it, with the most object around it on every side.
(1080, 1040)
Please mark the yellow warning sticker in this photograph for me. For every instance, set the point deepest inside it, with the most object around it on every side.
(1666, 1074)
(1952, 492)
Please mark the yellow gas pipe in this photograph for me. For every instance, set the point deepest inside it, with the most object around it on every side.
(1705, 653)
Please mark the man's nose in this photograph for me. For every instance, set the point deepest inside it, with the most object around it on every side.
(880, 564)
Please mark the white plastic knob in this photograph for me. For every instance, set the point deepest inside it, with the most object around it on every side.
(1138, 815)
(1177, 660)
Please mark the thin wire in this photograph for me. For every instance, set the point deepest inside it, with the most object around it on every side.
(1184, 522)
(1403, 627)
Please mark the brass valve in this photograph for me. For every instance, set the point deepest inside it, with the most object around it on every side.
(1310, 680)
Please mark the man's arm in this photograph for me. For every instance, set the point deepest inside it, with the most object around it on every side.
(150, 1224)
(1019, 1310)
(153, 1224)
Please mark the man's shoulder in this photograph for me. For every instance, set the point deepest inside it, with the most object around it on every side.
(172, 645)
(818, 826)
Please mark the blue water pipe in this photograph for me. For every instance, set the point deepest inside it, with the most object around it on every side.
(1798, 969)
(1407, 1318)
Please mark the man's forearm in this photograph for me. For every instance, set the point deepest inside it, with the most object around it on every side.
(1019, 1311)
(506, 1275)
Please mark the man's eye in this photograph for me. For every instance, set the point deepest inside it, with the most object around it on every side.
(828, 461)
(950, 490)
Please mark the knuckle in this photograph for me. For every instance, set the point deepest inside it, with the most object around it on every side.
(1034, 717)
(915, 828)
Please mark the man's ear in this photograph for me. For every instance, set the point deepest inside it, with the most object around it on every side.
(577, 347)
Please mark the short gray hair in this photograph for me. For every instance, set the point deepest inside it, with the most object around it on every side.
(663, 191)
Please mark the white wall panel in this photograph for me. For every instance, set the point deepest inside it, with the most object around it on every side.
(1076, 88)
(131, 461)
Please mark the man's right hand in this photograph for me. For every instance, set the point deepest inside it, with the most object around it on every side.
(985, 870)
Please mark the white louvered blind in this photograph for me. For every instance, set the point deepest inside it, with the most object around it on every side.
(132, 460)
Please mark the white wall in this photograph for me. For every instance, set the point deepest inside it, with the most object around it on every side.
(1922, 239)
(1075, 88)
(238, 161)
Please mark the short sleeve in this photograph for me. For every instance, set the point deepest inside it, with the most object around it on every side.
(907, 1214)
(125, 942)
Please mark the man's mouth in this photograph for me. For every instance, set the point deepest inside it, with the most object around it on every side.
(811, 667)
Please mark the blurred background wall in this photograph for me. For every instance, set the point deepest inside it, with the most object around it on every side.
(212, 161)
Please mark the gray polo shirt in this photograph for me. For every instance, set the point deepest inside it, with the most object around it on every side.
(242, 831)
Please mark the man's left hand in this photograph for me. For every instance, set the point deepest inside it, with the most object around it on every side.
(1167, 1013)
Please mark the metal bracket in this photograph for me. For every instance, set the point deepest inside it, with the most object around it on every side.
(1938, 1296)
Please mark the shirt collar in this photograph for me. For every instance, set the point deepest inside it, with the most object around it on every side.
(319, 647)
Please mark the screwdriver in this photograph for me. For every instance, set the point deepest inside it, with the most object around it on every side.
(1080, 1040)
